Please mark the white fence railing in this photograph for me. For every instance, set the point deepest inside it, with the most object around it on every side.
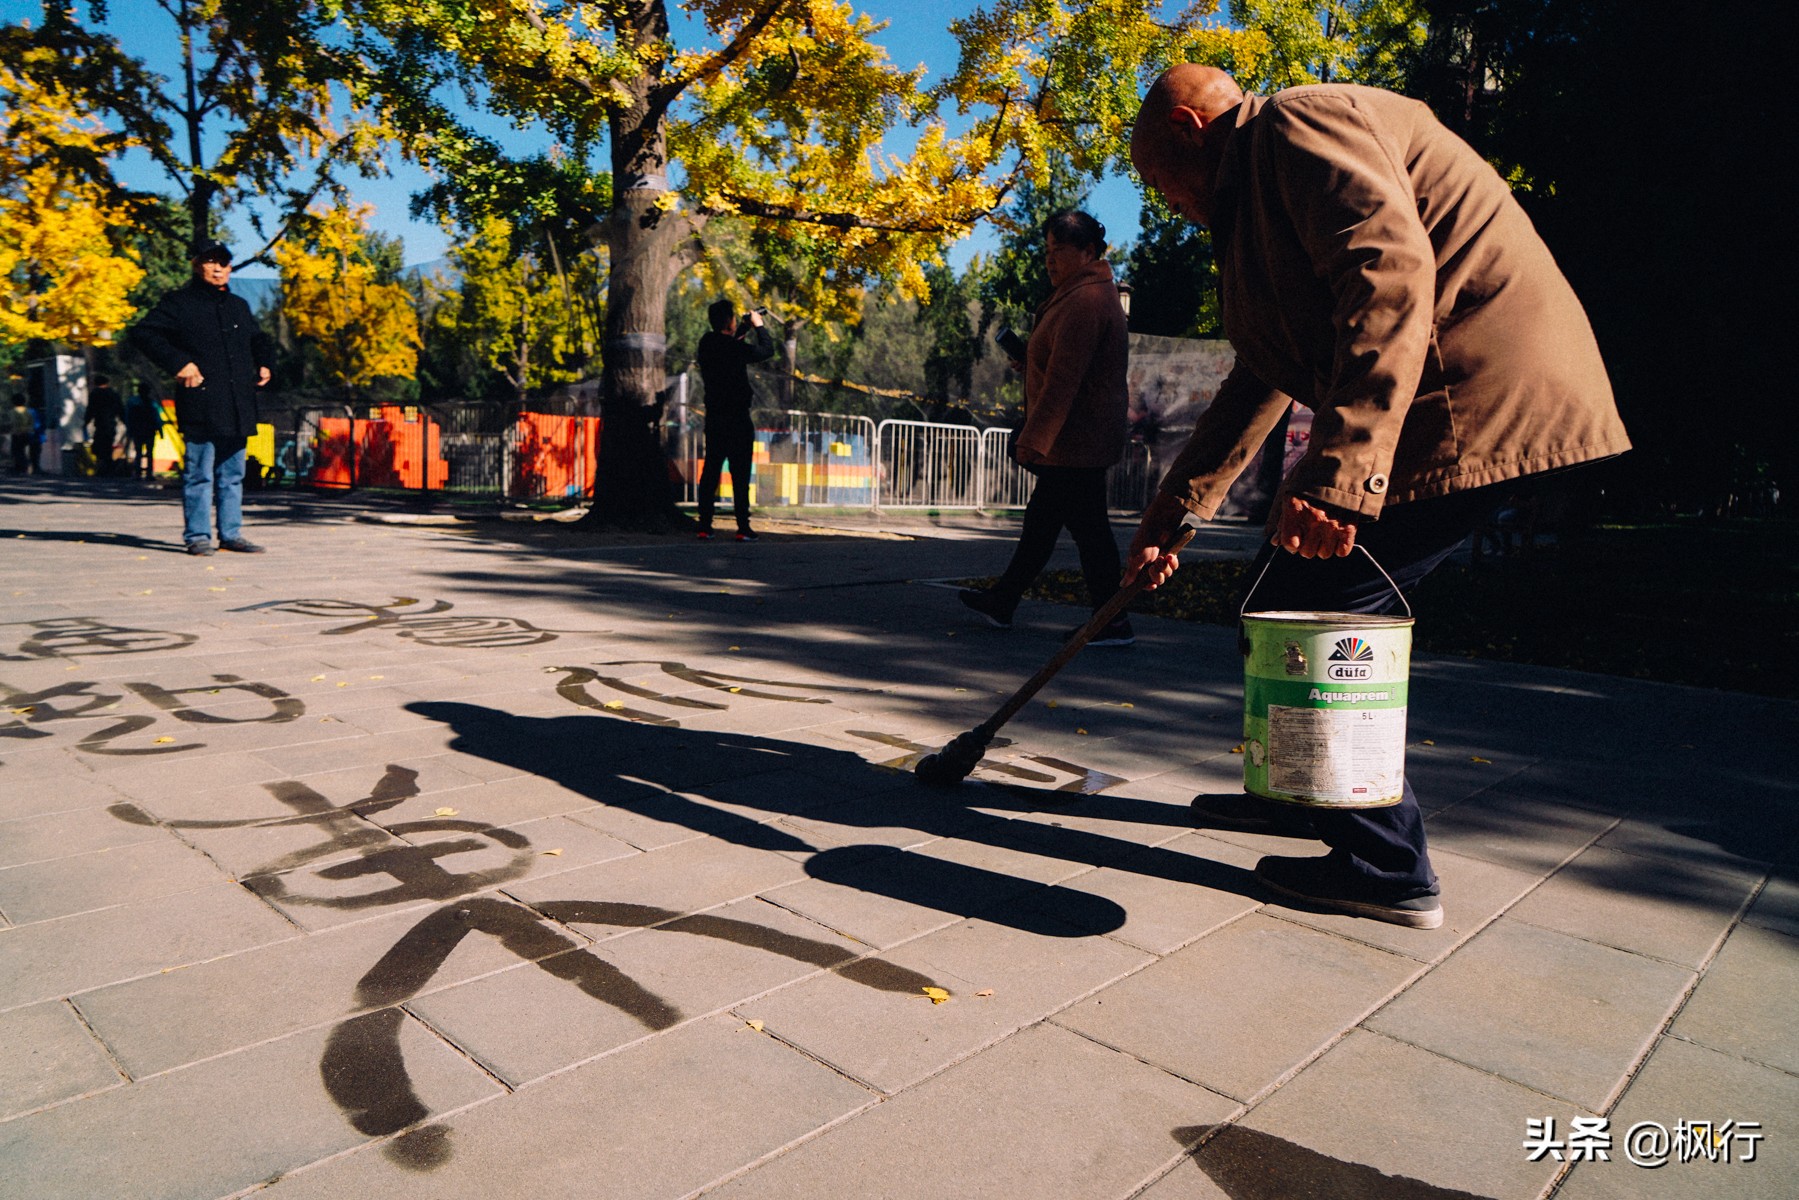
(832, 460)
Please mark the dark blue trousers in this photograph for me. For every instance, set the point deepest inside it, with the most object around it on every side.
(1386, 846)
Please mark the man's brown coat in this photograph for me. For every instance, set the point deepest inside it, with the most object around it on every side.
(1377, 270)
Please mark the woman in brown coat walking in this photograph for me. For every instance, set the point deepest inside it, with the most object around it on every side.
(1074, 424)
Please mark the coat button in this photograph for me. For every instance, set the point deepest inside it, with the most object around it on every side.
(1377, 484)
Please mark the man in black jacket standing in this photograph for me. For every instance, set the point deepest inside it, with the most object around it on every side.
(723, 357)
(208, 339)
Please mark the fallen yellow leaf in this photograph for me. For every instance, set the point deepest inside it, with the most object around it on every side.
(1126, 704)
(756, 1025)
(556, 853)
(961, 689)
(736, 689)
(142, 557)
(937, 994)
(736, 647)
(1049, 704)
(25, 711)
(315, 679)
(614, 704)
(343, 683)
(215, 589)
(161, 740)
(1427, 742)
(145, 592)
(1478, 758)
(445, 812)
(1082, 732)
(377, 677)
(985, 992)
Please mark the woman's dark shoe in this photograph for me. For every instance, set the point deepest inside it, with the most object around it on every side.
(994, 608)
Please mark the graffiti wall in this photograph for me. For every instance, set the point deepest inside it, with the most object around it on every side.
(1172, 381)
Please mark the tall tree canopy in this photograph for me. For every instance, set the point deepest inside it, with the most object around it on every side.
(777, 112)
(267, 108)
(64, 274)
(336, 291)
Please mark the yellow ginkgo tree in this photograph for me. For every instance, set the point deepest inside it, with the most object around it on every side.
(64, 276)
(786, 114)
(331, 293)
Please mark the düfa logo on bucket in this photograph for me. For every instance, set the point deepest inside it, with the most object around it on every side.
(1350, 659)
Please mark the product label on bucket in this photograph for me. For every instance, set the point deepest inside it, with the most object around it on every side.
(1353, 755)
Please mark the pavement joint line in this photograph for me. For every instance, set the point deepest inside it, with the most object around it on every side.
(104, 1045)
(469, 1056)
(779, 1151)
(1671, 1036)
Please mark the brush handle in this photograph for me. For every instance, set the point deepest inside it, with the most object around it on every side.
(1108, 612)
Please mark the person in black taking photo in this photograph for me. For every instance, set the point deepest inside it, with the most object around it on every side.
(208, 339)
(723, 357)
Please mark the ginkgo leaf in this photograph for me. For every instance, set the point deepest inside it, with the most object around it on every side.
(343, 683)
(753, 1024)
(1049, 704)
(735, 689)
(556, 853)
(613, 704)
(161, 740)
(735, 647)
(937, 994)
(1427, 742)
(1479, 759)
(1082, 732)
(445, 812)
(1237, 749)
(316, 679)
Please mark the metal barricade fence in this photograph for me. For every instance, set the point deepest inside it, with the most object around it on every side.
(801, 458)
(542, 451)
(1005, 484)
(923, 465)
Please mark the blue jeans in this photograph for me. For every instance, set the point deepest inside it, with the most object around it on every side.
(213, 471)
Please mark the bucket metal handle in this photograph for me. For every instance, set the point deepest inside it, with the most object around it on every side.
(1244, 607)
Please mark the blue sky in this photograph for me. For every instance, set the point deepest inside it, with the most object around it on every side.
(917, 34)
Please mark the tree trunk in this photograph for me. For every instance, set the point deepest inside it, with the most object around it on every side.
(648, 247)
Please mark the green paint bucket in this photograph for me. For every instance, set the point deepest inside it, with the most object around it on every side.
(1324, 700)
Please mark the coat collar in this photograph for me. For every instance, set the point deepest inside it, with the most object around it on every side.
(1230, 164)
(1095, 272)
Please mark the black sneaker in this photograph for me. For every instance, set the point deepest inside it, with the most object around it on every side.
(204, 546)
(239, 546)
(1251, 814)
(1117, 633)
(1327, 884)
(748, 535)
(996, 610)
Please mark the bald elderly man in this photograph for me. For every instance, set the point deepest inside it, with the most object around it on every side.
(1376, 269)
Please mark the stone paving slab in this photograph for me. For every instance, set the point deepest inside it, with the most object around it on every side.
(1183, 1013)
(1566, 1017)
(1044, 1113)
(891, 1040)
(1744, 1005)
(47, 1055)
(72, 954)
(224, 1125)
(1687, 1082)
(665, 1117)
(1381, 1119)
(331, 945)
(102, 878)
